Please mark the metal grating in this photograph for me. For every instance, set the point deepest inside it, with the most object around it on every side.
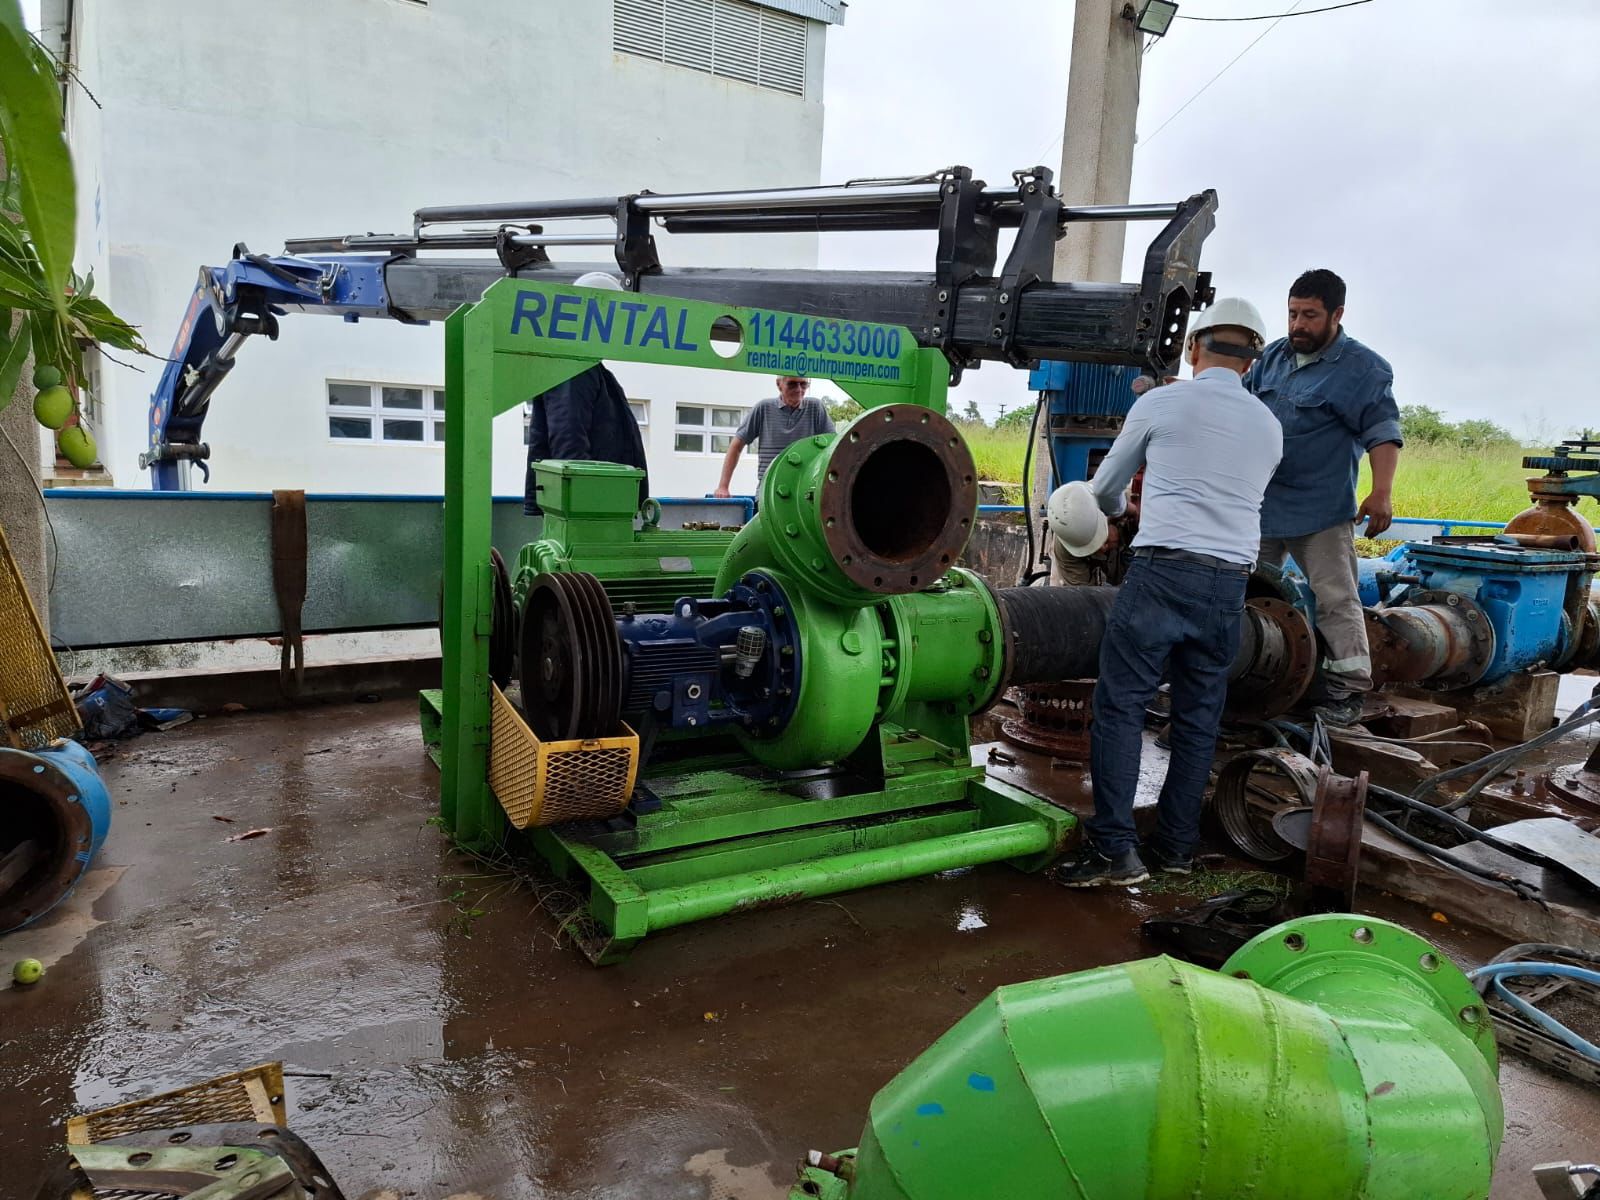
(35, 707)
(252, 1095)
(735, 39)
(546, 783)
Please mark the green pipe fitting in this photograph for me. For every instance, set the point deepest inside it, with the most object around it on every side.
(943, 645)
(1331, 1058)
(882, 508)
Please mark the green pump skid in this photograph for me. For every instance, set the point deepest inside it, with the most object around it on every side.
(1331, 1058)
(868, 777)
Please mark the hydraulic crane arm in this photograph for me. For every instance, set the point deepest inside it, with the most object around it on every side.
(964, 306)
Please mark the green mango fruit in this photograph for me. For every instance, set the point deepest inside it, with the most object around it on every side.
(53, 406)
(77, 445)
(46, 377)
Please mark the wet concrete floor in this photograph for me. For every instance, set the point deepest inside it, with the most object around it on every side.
(438, 1053)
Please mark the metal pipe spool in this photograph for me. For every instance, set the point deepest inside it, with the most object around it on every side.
(1441, 640)
(571, 661)
(1244, 806)
(1276, 660)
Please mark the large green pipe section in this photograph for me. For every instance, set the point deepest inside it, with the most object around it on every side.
(1331, 1057)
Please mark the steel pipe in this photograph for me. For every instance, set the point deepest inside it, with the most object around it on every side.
(843, 873)
(54, 816)
(1446, 641)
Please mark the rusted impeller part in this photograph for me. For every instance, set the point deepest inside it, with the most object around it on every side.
(1055, 718)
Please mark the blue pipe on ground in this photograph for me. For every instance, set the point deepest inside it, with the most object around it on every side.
(54, 816)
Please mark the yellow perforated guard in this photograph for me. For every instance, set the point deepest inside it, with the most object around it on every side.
(545, 783)
(252, 1095)
(35, 708)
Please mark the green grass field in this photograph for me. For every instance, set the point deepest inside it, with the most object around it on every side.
(1433, 481)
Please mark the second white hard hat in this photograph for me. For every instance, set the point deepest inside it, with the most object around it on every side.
(1231, 311)
(598, 279)
(1075, 519)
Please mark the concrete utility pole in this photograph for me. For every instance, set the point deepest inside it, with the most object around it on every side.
(1096, 166)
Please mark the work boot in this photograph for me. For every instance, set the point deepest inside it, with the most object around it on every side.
(1090, 868)
(1342, 711)
(1168, 864)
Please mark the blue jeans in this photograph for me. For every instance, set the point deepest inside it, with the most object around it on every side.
(1181, 617)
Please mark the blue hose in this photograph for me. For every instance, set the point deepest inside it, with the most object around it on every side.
(1496, 973)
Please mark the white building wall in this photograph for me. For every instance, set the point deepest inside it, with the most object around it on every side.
(237, 120)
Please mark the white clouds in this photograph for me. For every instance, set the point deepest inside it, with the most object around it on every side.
(1442, 158)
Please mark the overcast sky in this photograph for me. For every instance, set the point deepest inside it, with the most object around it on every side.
(1441, 155)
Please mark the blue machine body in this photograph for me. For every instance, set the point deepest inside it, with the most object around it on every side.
(54, 796)
(677, 663)
(1085, 407)
(1523, 592)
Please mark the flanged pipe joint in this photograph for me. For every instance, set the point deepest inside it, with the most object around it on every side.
(1331, 1057)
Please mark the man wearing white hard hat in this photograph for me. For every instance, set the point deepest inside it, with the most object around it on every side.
(587, 418)
(1208, 449)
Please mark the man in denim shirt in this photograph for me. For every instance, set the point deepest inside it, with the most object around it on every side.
(1335, 399)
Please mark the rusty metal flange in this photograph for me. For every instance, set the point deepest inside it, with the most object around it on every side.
(1281, 669)
(1055, 718)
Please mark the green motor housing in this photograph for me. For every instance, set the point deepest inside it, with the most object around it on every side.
(1331, 1058)
(590, 509)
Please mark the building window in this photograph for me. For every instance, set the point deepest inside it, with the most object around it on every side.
(731, 38)
(385, 412)
(705, 430)
(639, 408)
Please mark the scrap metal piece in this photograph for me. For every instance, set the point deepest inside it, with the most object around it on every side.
(1244, 805)
(252, 1160)
(1333, 849)
(1559, 1180)
(197, 1172)
(1560, 841)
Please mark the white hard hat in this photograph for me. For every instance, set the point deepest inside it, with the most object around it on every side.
(1075, 519)
(1235, 312)
(597, 279)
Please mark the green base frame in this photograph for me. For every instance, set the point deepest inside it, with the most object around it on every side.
(730, 837)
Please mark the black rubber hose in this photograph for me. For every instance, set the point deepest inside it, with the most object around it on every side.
(1054, 633)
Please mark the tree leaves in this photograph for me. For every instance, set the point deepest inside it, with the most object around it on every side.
(36, 152)
(13, 353)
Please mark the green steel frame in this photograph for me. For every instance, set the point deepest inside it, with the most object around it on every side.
(728, 835)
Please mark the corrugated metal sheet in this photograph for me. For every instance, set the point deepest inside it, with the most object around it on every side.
(829, 12)
(761, 44)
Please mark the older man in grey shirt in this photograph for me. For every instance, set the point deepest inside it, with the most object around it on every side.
(1208, 448)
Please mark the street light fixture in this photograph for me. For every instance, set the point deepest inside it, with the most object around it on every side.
(1155, 17)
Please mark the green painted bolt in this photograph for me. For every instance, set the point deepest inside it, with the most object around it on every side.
(850, 642)
(793, 459)
(791, 530)
(985, 636)
(784, 492)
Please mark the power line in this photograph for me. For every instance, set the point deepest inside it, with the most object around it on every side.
(1278, 16)
(1222, 72)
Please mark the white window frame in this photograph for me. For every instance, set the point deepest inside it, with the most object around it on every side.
(431, 414)
(708, 430)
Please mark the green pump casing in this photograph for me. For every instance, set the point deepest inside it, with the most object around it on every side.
(1331, 1057)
